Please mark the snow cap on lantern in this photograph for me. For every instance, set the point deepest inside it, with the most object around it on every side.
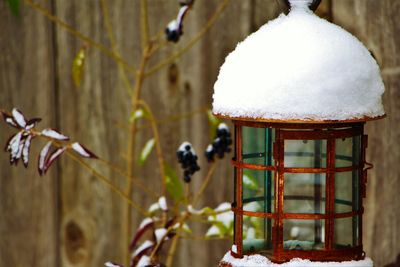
(299, 67)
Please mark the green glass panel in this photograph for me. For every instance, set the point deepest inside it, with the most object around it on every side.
(346, 191)
(258, 189)
(304, 193)
(305, 153)
(347, 151)
(257, 236)
(257, 145)
(303, 234)
(346, 232)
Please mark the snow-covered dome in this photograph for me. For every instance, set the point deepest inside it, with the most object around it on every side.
(299, 67)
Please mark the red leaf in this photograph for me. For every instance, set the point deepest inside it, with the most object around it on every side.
(83, 151)
(54, 135)
(144, 226)
(32, 123)
(9, 119)
(52, 157)
(19, 117)
(42, 158)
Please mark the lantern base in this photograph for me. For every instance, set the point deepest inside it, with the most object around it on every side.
(261, 261)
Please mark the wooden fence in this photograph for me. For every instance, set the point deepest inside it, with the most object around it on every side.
(68, 217)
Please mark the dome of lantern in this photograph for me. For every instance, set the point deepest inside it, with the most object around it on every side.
(299, 67)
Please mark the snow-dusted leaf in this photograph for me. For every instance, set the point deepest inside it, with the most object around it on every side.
(83, 151)
(146, 224)
(138, 114)
(13, 146)
(162, 202)
(54, 135)
(52, 157)
(20, 148)
(9, 119)
(160, 234)
(42, 157)
(32, 123)
(154, 207)
(78, 65)
(112, 264)
(143, 248)
(25, 150)
(19, 117)
(144, 261)
(148, 147)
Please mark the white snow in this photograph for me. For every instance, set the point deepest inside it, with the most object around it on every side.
(154, 207)
(223, 126)
(299, 67)
(162, 202)
(145, 222)
(144, 261)
(146, 244)
(25, 152)
(234, 248)
(19, 117)
(80, 150)
(258, 260)
(14, 145)
(182, 147)
(160, 233)
(194, 211)
(54, 134)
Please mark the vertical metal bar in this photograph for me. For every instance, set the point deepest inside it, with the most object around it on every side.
(330, 195)
(269, 186)
(265, 184)
(239, 193)
(363, 178)
(317, 190)
(355, 185)
(279, 190)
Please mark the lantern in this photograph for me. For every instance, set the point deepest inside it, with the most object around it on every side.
(300, 169)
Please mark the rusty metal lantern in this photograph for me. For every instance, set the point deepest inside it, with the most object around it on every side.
(313, 176)
(299, 179)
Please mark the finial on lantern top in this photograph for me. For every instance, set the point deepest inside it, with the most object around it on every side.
(312, 4)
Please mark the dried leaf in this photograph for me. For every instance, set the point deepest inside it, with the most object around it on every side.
(83, 151)
(19, 117)
(30, 124)
(78, 65)
(148, 147)
(25, 150)
(112, 264)
(54, 135)
(9, 119)
(52, 157)
(13, 146)
(144, 227)
(42, 157)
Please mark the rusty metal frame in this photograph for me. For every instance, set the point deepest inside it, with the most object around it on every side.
(302, 131)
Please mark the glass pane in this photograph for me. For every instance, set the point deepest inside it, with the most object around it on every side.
(258, 187)
(346, 232)
(305, 153)
(346, 191)
(257, 145)
(348, 151)
(257, 235)
(303, 234)
(304, 193)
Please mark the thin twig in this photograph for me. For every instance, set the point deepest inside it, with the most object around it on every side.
(205, 183)
(160, 155)
(80, 35)
(172, 250)
(107, 182)
(144, 24)
(113, 41)
(191, 43)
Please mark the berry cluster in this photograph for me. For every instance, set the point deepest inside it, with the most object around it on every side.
(174, 28)
(221, 143)
(188, 159)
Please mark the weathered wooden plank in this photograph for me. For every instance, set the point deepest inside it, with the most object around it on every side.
(28, 203)
(92, 225)
(377, 24)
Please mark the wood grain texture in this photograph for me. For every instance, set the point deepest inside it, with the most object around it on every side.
(28, 203)
(377, 25)
(87, 227)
